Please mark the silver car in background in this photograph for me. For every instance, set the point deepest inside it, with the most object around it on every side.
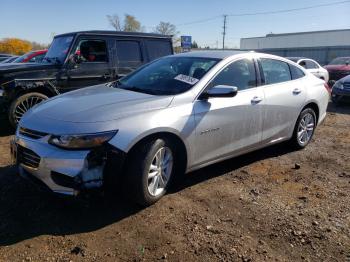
(172, 116)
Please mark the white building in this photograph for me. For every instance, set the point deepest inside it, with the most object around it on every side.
(319, 45)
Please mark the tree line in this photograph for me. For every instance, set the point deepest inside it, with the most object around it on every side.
(18, 46)
(131, 24)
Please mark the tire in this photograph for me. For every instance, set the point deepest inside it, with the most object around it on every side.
(139, 176)
(22, 104)
(304, 126)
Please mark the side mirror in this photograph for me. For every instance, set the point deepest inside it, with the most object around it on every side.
(220, 91)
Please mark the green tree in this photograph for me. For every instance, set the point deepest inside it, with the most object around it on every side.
(194, 45)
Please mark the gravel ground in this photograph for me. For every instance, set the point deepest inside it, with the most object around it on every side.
(271, 205)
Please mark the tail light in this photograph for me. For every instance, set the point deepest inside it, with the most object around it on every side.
(328, 88)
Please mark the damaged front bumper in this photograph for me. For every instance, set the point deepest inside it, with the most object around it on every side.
(63, 171)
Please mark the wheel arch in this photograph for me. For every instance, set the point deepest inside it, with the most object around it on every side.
(19, 87)
(169, 134)
(314, 106)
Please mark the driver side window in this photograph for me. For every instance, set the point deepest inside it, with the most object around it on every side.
(240, 74)
(91, 50)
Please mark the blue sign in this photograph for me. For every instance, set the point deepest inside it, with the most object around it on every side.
(186, 41)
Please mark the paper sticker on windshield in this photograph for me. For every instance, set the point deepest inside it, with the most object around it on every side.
(187, 79)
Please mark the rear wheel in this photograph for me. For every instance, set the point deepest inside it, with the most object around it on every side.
(304, 128)
(150, 170)
(22, 104)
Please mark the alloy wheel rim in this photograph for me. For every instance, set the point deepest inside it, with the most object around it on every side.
(306, 128)
(25, 105)
(160, 171)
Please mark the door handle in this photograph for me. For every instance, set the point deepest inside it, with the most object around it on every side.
(106, 76)
(296, 91)
(256, 100)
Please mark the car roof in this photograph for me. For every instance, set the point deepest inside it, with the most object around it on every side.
(297, 58)
(40, 51)
(212, 54)
(116, 33)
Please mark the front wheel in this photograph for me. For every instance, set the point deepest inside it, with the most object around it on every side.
(22, 104)
(150, 170)
(304, 128)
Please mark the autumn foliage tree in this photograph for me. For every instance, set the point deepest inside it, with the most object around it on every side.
(15, 46)
(130, 24)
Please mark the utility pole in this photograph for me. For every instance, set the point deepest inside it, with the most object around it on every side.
(224, 32)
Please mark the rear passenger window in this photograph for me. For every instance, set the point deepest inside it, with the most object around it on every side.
(296, 72)
(275, 71)
(129, 53)
(156, 49)
(240, 74)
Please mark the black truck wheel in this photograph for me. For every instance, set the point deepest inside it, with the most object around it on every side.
(22, 104)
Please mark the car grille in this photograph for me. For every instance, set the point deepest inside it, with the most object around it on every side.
(346, 85)
(27, 157)
(31, 133)
(336, 75)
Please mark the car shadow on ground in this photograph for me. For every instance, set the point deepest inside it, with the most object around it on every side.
(340, 108)
(26, 212)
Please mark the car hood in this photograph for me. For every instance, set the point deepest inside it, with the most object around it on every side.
(91, 105)
(337, 67)
(345, 79)
(16, 67)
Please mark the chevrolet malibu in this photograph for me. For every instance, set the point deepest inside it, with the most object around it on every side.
(172, 116)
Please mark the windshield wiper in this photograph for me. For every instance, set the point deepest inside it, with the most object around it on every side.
(137, 89)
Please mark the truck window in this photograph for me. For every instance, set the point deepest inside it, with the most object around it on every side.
(92, 50)
(156, 49)
(129, 53)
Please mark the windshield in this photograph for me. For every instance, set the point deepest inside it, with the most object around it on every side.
(59, 49)
(168, 76)
(340, 61)
(22, 58)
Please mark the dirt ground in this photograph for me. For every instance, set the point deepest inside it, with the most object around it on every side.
(271, 205)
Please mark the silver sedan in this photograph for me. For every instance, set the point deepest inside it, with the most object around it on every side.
(172, 116)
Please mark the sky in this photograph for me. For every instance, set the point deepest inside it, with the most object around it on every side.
(40, 20)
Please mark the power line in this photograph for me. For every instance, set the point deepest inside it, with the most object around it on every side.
(266, 13)
(290, 10)
(200, 21)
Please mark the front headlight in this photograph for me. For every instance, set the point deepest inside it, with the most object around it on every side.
(338, 85)
(83, 141)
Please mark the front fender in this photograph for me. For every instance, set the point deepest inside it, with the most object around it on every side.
(178, 121)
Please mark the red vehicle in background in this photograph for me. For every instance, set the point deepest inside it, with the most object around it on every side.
(338, 68)
(31, 57)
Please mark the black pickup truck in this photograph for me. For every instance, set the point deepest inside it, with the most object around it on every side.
(76, 60)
